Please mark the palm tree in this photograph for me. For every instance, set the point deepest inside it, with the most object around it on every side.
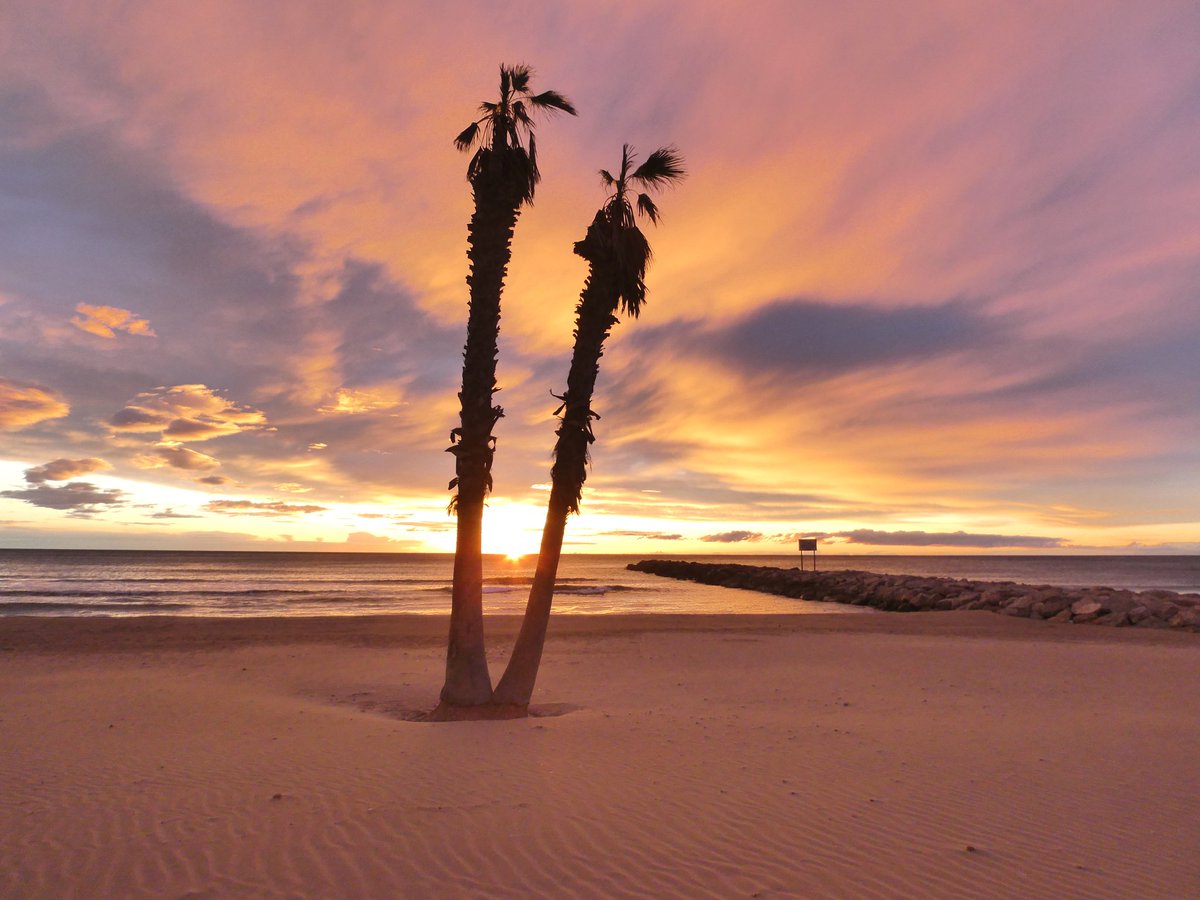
(618, 254)
(503, 173)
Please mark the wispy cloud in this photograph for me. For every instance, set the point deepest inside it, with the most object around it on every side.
(178, 457)
(349, 401)
(171, 514)
(642, 535)
(261, 508)
(949, 539)
(732, 537)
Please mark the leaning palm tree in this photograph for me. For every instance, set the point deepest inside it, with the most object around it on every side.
(618, 254)
(503, 173)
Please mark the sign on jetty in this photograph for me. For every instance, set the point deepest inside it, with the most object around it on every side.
(914, 593)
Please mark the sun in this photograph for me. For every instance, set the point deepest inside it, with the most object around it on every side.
(512, 530)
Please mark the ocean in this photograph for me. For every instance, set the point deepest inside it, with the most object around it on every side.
(202, 583)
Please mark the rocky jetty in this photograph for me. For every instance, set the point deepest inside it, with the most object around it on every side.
(915, 593)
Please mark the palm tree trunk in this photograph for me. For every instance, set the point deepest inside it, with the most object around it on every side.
(516, 685)
(594, 321)
(489, 242)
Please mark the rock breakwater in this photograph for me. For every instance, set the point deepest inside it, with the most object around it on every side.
(915, 593)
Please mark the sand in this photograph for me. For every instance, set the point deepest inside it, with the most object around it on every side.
(921, 755)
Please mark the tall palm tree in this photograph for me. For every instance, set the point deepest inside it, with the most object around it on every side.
(618, 255)
(503, 173)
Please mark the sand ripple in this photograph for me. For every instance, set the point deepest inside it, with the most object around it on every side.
(852, 764)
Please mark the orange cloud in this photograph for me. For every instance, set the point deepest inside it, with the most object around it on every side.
(261, 508)
(23, 404)
(349, 400)
(106, 321)
(178, 458)
(185, 412)
(62, 469)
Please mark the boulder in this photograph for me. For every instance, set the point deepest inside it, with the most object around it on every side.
(1122, 602)
(1021, 606)
(1054, 604)
(925, 600)
(1186, 618)
(1082, 608)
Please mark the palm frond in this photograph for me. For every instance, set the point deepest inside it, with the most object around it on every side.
(478, 162)
(625, 212)
(488, 107)
(533, 166)
(519, 76)
(552, 100)
(524, 174)
(647, 208)
(467, 137)
(632, 252)
(606, 178)
(661, 167)
(505, 80)
(521, 115)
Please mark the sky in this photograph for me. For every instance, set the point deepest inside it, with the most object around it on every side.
(931, 284)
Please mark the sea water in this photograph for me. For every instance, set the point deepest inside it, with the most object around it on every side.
(203, 583)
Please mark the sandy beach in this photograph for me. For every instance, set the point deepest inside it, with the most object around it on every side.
(955, 754)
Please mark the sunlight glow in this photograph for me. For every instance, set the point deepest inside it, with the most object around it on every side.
(512, 530)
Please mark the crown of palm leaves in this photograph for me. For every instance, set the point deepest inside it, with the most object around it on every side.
(505, 122)
(629, 247)
(662, 167)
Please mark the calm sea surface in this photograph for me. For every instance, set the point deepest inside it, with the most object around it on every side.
(114, 583)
